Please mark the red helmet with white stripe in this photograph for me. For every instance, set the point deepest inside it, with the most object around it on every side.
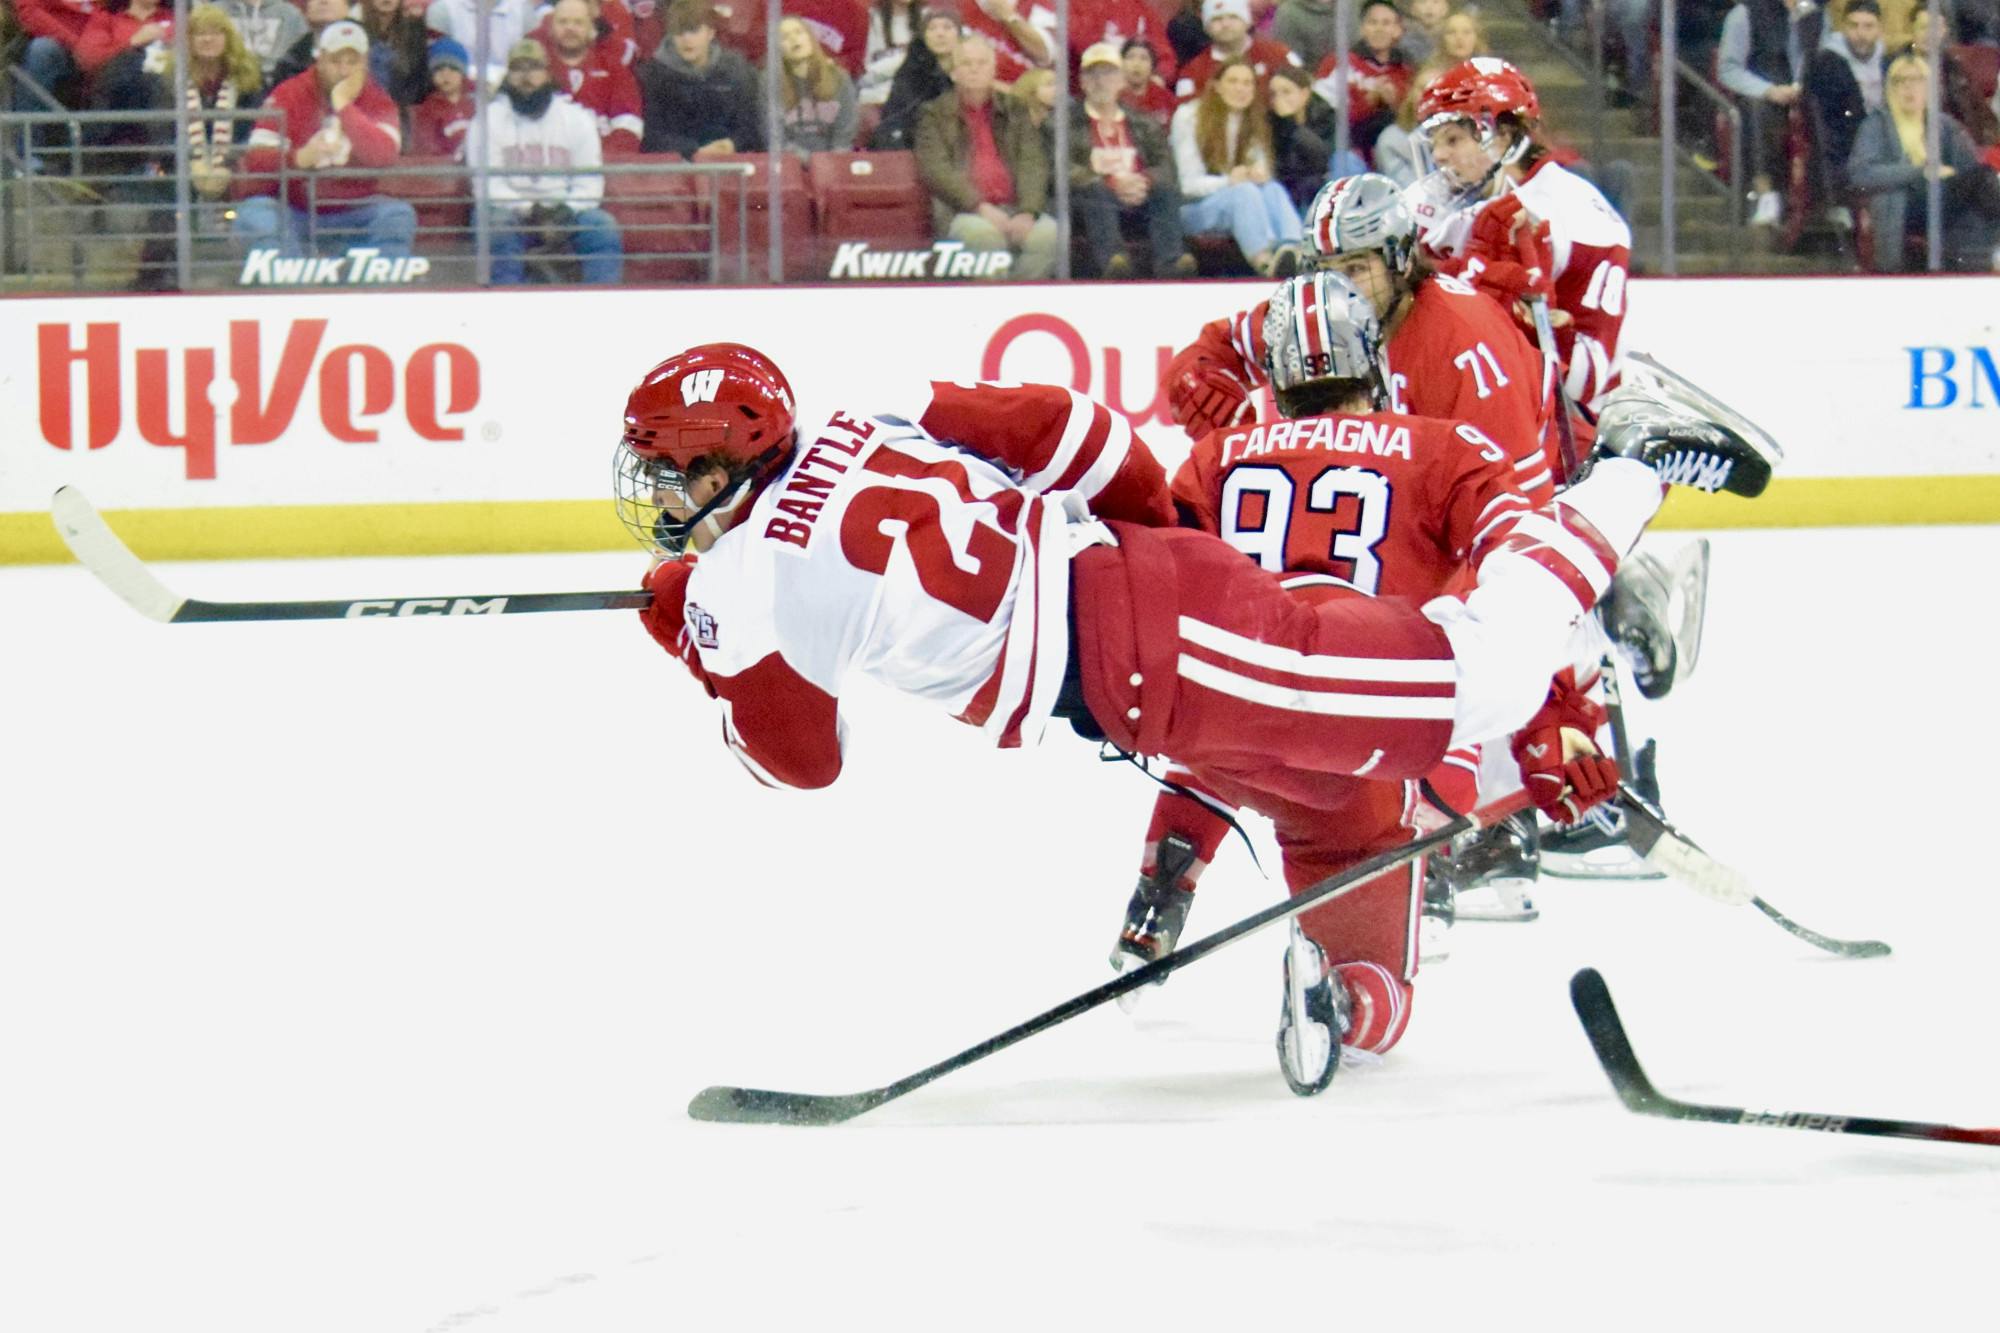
(1481, 91)
(702, 429)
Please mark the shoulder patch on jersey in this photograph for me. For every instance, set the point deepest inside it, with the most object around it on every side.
(702, 624)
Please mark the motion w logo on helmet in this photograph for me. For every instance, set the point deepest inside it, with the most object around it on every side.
(701, 387)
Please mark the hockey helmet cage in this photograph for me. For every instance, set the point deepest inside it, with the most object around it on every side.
(1319, 327)
(1481, 90)
(721, 408)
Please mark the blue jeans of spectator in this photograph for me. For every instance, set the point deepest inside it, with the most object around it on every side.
(594, 236)
(387, 225)
(49, 63)
(1259, 217)
(1102, 216)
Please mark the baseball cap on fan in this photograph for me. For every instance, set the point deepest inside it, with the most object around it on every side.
(1214, 9)
(1101, 53)
(344, 35)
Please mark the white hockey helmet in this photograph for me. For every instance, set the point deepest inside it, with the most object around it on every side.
(1318, 327)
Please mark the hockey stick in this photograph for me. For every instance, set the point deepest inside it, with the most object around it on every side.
(759, 1106)
(1592, 999)
(1545, 334)
(91, 540)
(1666, 847)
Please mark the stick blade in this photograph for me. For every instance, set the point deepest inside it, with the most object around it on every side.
(97, 548)
(1592, 999)
(758, 1106)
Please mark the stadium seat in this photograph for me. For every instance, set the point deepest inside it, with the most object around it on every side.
(727, 194)
(658, 217)
(873, 197)
(1981, 63)
(442, 197)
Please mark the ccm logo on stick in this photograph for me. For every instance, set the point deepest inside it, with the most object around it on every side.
(429, 606)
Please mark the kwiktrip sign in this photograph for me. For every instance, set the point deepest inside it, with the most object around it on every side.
(343, 400)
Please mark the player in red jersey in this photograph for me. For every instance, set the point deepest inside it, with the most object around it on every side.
(1501, 212)
(1450, 352)
(953, 554)
(1340, 498)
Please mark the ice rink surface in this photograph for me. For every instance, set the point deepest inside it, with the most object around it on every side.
(355, 978)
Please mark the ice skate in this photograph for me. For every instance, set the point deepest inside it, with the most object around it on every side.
(1489, 875)
(1596, 846)
(1156, 914)
(1315, 1016)
(1682, 433)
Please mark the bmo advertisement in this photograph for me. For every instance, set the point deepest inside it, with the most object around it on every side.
(221, 424)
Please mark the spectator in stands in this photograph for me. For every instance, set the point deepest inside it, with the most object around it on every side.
(1379, 75)
(1766, 45)
(507, 21)
(586, 66)
(329, 118)
(270, 28)
(1423, 29)
(817, 97)
(1460, 37)
(300, 57)
(223, 75)
(1018, 45)
(1401, 153)
(437, 124)
(398, 48)
(1888, 163)
(1036, 90)
(1222, 151)
(1306, 26)
(529, 126)
(1120, 169)
(1844, 84)
(1145, 91)
(982, 160)
(893, 25)
(1962, 98)
(54, 28)
(124, 50)
(1227, 23)
(700, 96)
(614, 38)
(924, 74)
(1092, 22)
(1302, 136)
(840, 25)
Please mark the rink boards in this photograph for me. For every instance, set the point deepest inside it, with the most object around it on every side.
(418, 423)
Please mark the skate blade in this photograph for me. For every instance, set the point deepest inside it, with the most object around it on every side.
(1625, 864)
(1691, 395)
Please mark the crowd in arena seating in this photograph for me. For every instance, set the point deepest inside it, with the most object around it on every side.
(1198, 129)
(1835, 131)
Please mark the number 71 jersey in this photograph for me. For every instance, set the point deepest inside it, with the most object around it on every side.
(1390, 505)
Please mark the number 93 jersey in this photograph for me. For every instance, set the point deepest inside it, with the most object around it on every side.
(1390, 505)
(930, 554)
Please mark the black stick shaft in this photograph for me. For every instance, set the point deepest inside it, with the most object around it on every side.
(1592, 999)
(492, 604)
(754, 1104)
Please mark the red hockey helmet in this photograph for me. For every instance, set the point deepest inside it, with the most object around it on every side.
(701, 430)
(1481, 90)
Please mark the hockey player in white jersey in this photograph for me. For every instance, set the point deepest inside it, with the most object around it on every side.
(1502, 213)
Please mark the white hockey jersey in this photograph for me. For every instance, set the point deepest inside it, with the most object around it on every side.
(931, 555)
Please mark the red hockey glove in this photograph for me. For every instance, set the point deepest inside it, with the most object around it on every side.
(1509, 242)
(1203, 393)
(666, 618)
(1564, 773)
